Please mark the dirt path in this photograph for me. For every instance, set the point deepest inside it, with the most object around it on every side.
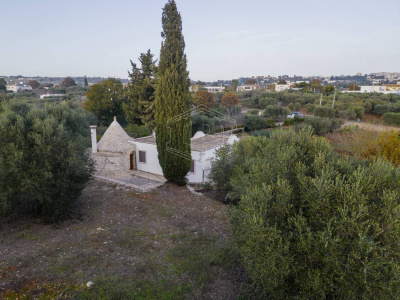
(168, 244)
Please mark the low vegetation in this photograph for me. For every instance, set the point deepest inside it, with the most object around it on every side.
(311, 224)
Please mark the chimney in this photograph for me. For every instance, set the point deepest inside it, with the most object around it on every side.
(94, 138)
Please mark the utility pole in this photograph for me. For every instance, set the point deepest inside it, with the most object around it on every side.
(320, 100)
(334, 97)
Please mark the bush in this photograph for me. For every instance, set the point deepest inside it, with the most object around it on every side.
(391, 118)
(276, 112)
(137, 131)
(310, 107)
(264, 132)
(314, 225)
(324, 112)
(254, 122)
(297, 106)
(44, 164)
(320, 125)
(348, 114)
(359, 112)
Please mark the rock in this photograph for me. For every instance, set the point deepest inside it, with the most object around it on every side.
(89, 284)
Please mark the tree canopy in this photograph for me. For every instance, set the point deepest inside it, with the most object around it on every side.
(204, 98)
(140, 108)
(34, 83)
(43, 160)
(311, 224)
(68, 81)
(105, 100)
(173, 99)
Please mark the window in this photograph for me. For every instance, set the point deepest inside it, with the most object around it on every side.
(142, 157)
(192, 167)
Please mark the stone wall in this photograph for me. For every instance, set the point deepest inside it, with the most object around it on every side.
(112, 165)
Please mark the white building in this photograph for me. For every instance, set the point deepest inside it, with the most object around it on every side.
(215, 89)
(247, 87)
(18, 88)
(282, 87)
(51, 95)
(141, 154)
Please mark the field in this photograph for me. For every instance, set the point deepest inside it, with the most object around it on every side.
(166, 244)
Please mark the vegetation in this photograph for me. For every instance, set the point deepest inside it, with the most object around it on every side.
(105, 100)
(204, 98)
(43, 163)
(276, 112)
(140, 109)
(34, 84)
(68, 81)
(391, 118)
(309, 223)
(3, 84)
(173, 99)
(229, 100)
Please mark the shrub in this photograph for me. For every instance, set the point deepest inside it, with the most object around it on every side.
(276, 112)
(297, 106)
(137, 131)
(321, 126)
(359, 112)
(391, 118)
(324, 112)
(44, 164)
(264, 132)
(314, 225)
(348, 114)
(254, 122)
(310, 107)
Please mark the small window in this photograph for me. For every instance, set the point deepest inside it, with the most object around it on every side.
(192, 167)
(142, 156)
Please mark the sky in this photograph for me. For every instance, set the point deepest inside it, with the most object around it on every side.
(224, 39)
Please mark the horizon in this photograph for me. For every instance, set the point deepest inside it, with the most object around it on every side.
(224, 41)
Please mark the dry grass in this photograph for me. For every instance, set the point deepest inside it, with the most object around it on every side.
(167, 244)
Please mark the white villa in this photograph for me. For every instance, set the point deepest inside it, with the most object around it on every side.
(117, 154)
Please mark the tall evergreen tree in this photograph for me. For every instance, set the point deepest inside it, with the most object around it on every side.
(85, 82)
(141, 92)
(173, 99)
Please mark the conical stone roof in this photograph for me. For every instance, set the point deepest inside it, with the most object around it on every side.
(115, 139)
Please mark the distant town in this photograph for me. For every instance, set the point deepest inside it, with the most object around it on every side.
(385, 82)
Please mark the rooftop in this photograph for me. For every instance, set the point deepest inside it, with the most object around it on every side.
(199, 144)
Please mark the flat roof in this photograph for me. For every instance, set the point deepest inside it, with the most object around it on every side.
(200, 144)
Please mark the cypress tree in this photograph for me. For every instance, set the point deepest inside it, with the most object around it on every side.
(173, 99)
(85, 82)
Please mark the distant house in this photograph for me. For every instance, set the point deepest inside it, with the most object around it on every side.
(15, 88)
(51, 95)
(215, 89)
(118, 153)
(248, 87)
(282, 87)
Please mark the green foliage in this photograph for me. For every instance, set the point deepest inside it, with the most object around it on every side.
(105, 100)
(173, 99)
(382, 109)
(311, 224)
(43, 160)
(223, 167)
(348, 114)
(254, 122)
(293, 121)
(321, 126)
(140, 108)
(202, 122)
(391, 118)
(137, 131)
(324, 112)
(359, 111)
(276, 112)
(3, 84)
(264, 132)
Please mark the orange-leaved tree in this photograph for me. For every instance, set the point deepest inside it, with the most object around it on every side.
(205, 98)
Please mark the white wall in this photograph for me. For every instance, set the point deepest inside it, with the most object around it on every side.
(152, 165)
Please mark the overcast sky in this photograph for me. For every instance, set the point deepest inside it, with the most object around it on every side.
(224, 39)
